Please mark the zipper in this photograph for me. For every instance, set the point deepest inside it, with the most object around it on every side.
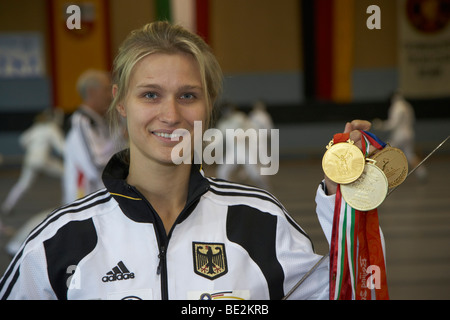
(161, 236)
(162, 271)
(162, 259)
(163, 241)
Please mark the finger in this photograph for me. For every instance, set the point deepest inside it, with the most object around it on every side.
(354, 127)
(355, 136)
(348, 127)
(361, 125)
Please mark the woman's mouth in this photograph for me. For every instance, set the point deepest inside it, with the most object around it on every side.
(167, 135)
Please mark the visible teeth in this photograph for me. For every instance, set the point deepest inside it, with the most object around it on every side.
(167, 135)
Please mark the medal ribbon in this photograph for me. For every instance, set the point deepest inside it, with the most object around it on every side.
(373, 140)
(355, 249)
(339, 279)
(370, 256)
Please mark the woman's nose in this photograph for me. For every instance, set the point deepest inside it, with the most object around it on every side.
(169, 112)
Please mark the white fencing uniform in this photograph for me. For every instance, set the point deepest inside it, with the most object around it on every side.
(39, 141)
(89, 146)
(239, 123)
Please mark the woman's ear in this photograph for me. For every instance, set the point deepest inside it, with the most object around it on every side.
(120, 108)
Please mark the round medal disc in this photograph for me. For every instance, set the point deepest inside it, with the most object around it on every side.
(368, 191)
(343, 162)
(394, 164)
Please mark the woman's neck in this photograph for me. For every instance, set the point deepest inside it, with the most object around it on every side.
(165, 186)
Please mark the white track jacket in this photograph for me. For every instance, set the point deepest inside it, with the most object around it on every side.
(230, 241)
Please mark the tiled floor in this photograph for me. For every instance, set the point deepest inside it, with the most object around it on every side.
(415, 220)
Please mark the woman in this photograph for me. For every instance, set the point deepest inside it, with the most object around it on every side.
(160, 230)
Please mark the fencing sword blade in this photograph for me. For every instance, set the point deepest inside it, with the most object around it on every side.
(429, 155)
(421, 162)
(305, 277)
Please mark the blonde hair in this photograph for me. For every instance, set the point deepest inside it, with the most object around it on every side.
(163, 37)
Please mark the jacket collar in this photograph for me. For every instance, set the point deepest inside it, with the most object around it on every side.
(133, 203)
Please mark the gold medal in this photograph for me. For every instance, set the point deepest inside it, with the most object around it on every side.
(343, 162)
(394, 164)
(368, 191)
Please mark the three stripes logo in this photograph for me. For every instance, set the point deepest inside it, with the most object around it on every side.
(119, 272)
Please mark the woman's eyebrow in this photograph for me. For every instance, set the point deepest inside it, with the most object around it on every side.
(191, 87)
(149, 86)
(158, 87)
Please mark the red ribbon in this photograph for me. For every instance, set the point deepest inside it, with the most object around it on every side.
(334, 243)
(341, 137)
(370, 255)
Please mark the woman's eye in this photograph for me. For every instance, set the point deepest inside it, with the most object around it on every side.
(188, 96)
(151, 95)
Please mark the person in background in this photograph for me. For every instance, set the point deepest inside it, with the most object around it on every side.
(400, 124)
(240, 170)
(89, 143)
(44, 146)
(260, 117)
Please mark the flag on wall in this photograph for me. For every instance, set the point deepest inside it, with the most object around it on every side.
(333, 25)
(424, 48)
(74, 50)
(191, 14)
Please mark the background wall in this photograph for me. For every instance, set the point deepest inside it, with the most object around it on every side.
(312, 62)
(374, 73)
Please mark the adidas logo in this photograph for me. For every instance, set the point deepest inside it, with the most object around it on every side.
(119, 272)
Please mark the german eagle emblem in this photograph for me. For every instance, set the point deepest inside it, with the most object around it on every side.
(210, 259)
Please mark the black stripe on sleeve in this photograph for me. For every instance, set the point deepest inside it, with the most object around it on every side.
(11, 285)
(255, 231)
(77, 206)
(67, 248)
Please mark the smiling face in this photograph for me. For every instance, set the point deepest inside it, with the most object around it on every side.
(165, 93)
